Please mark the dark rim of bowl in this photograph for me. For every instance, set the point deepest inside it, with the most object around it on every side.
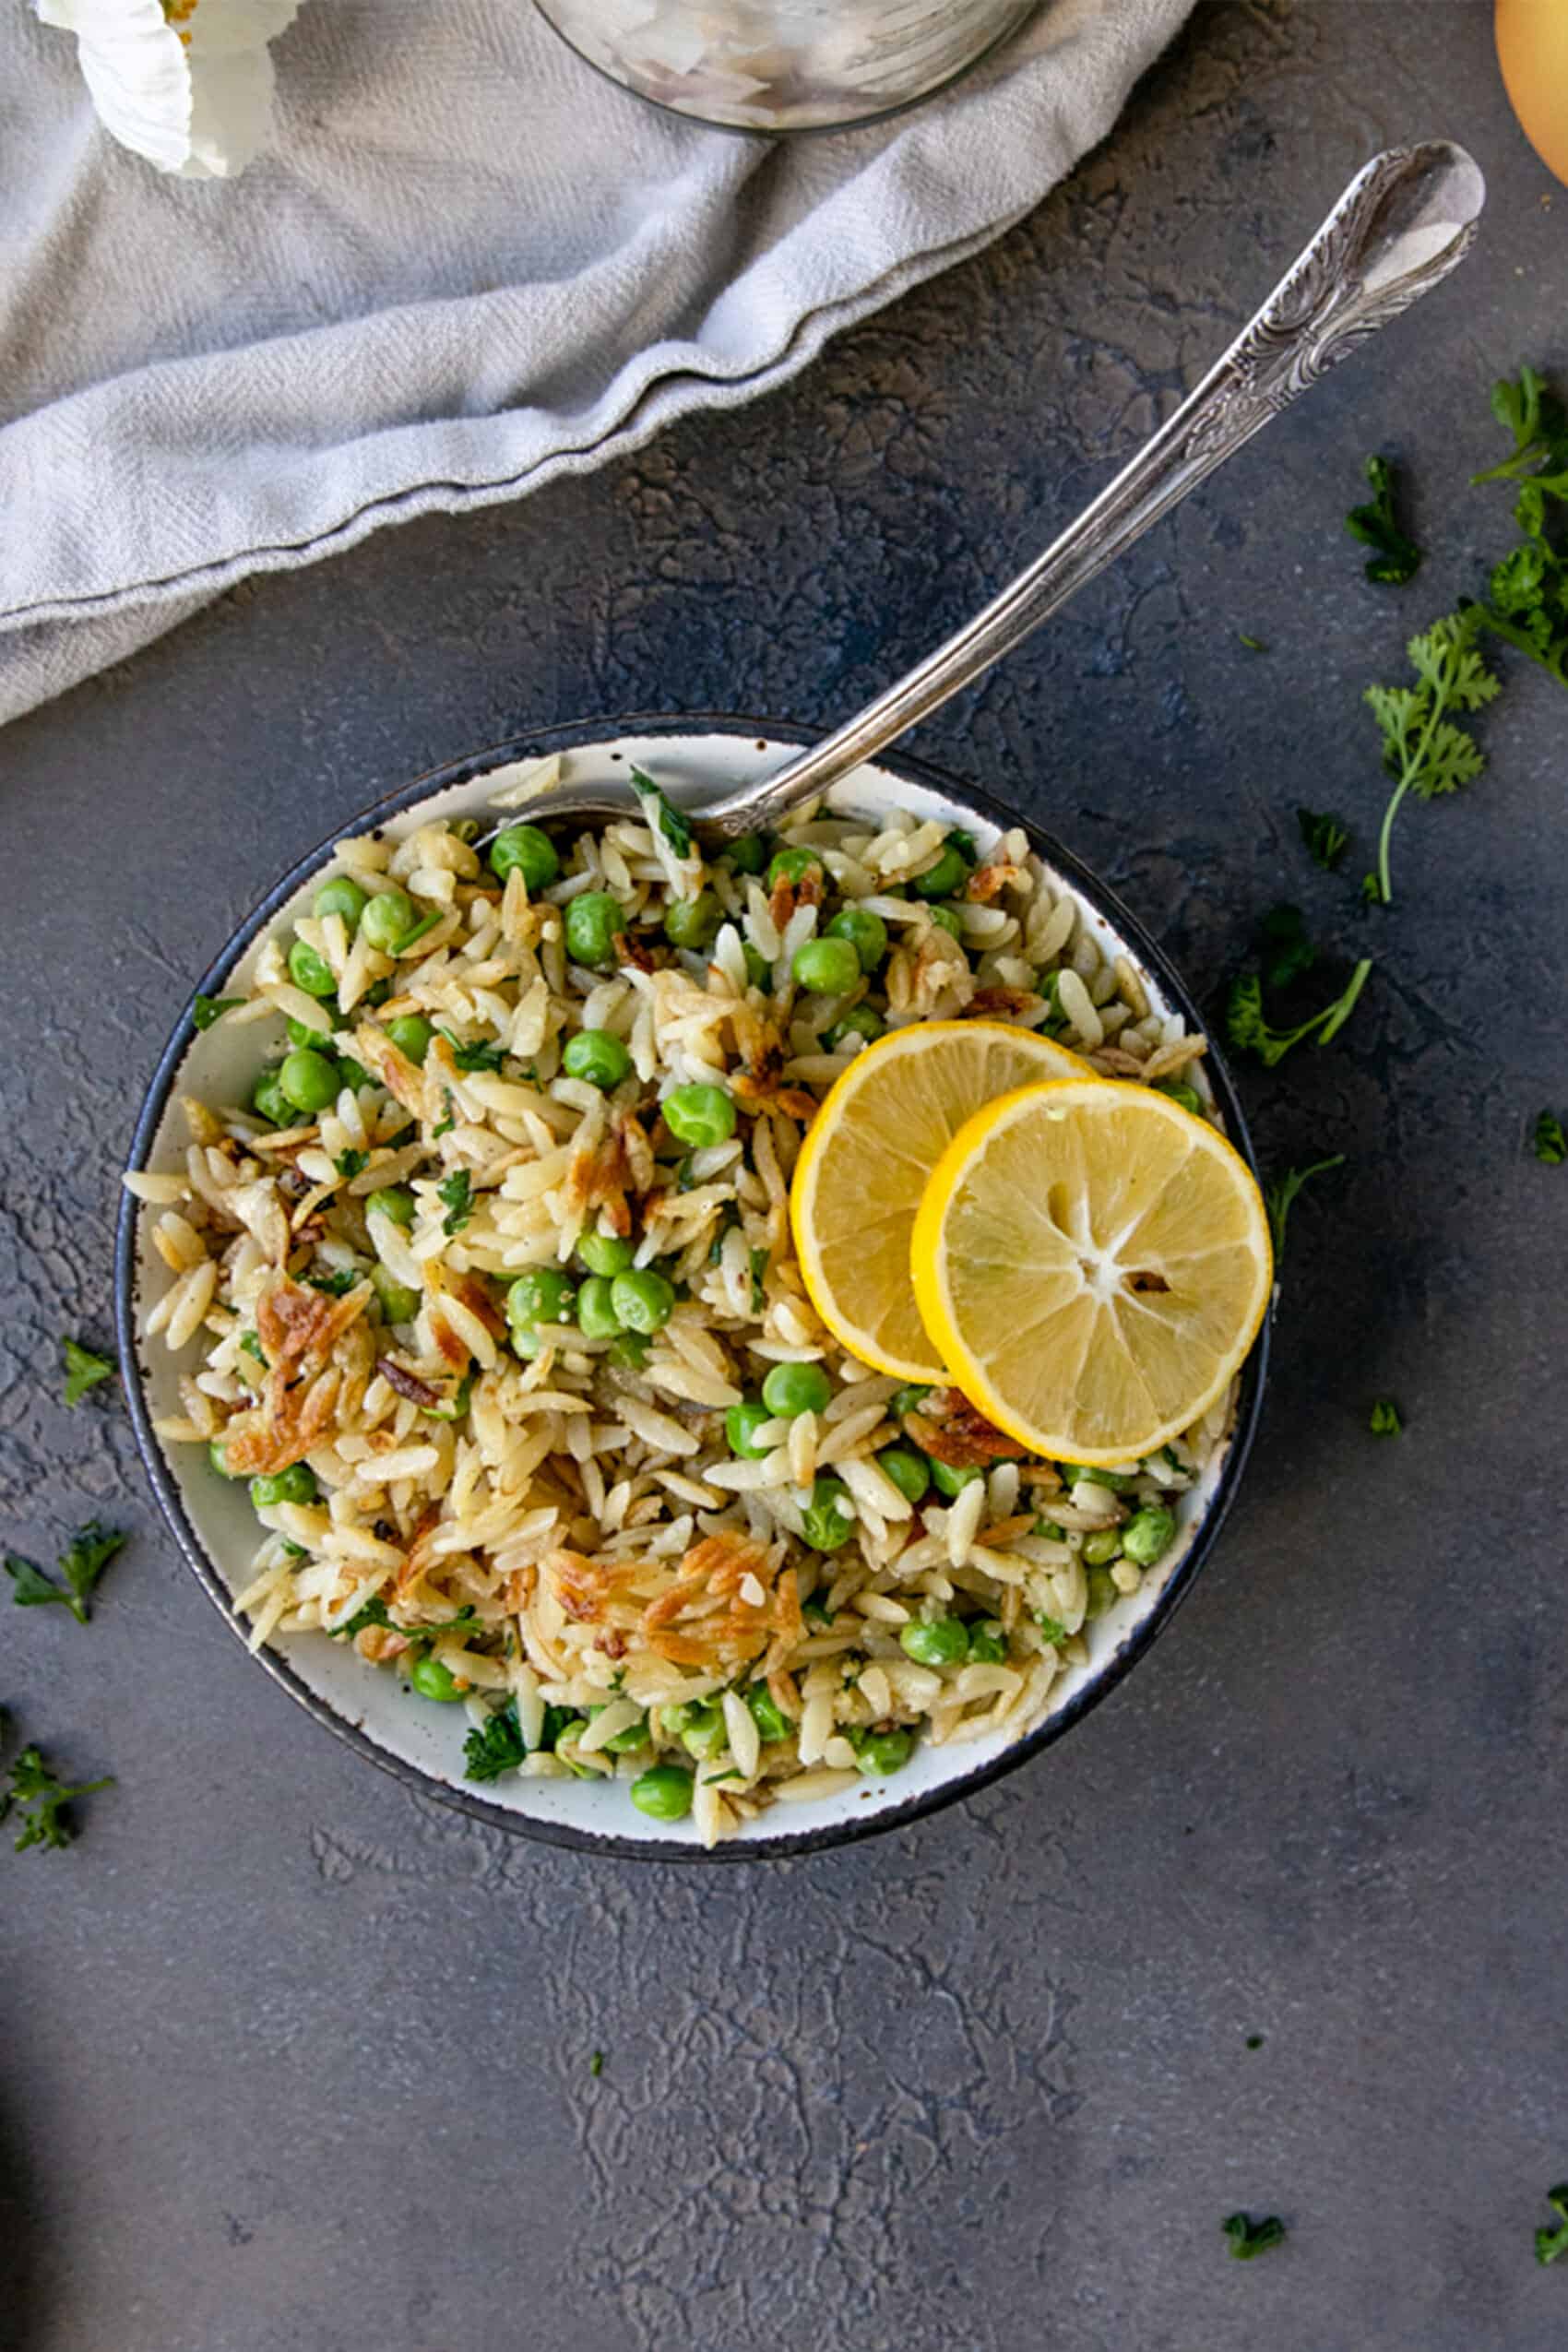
(577, 735)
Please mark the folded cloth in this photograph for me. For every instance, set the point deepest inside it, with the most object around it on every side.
(465, 264)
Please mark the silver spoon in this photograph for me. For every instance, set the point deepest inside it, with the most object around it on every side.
(1404, 222)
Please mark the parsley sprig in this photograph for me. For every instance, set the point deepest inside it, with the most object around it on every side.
(662, 813)
(1424, 749)
(1395, 557)
(455, 1193)
(1249, 1030)
(1549, 1142)
(1527, 593)
(1249, 2238)
(81, 1564)
(39, 1799)
(1550, 2243)
(1278, 1196)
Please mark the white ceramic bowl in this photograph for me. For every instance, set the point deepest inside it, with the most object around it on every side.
(212, 1521)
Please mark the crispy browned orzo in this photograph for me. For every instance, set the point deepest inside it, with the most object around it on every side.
(484, 1316)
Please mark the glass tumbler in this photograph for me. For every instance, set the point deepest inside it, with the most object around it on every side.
(784, 65)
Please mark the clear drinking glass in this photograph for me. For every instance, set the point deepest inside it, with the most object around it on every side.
(784, 65)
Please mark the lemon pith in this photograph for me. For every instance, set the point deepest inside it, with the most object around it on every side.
(1092, 1264)
(865, 1161)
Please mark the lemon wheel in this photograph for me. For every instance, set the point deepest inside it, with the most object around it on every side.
(865, 1161)
(1092, 1264)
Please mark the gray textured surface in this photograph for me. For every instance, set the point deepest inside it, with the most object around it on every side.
(290, 2060)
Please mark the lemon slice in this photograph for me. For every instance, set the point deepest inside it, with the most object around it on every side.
(865, 1164)
(1092, 1263)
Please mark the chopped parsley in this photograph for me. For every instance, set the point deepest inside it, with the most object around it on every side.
(455, 1195)
(1249, 2238)
(38, 1800)
(251, 1342)
(1385, 1420)
(1395, 557)
(84, 1369)
(1249, 1030)
(449, 1122)
(816, 1612)
(596, 2063)
(1325, 838)
(1254, 2041)
(661, 813)
(336, 1281)
(1253, 645)
(204, 1010)
(81, 1565)
(1051, 1631)
(418, 931)
(759, 1269)
(1278, 1196)
(375, 1612)
(472, 1057)
(1550, 2243)
(1549, 1142)
(1424, 749)
(350, 1164)
(457, 1405)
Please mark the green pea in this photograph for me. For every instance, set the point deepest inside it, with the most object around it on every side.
(827, 1521)
(946, 876)
(1071, 1474)
(742, 1423)
(859, 1021)
(541, 1295)
(883, 1753)
(1148, 1534)
(268, 1099)
(412, 1036)
(663, 1792)
(945, 919)
(1102, 1547)
(591, 921)
(797, 1388)
(643, 1298)
(376, 994)
(866, 933)
(395, 1201)
(353, 1074)
(759, 971)
(605, 1252)
(308, 1080)
(623, 1743)
(572, 1728)
(987, 1643)
(700, 1115)
(827, 966)
(597, 1318)
(940, 1641)
(218, 1460)
(387, 919)
(301, 1033)
(793, 865)
(908, 1399)
(310, 971)
(399, 1304)
(908, 1469)
(434, 1680)
(950, 1481)
(767, 1713)
(343, 896)
(524, 849)
(1178, 1089)
(748, 855)
(1103, 1592)
(296, 1484)
(702, 1734)
(596, 1056)
(693, 923)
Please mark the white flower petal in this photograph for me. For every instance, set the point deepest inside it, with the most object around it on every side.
(193, 93)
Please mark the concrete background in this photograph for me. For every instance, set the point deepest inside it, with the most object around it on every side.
(291, 2060)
